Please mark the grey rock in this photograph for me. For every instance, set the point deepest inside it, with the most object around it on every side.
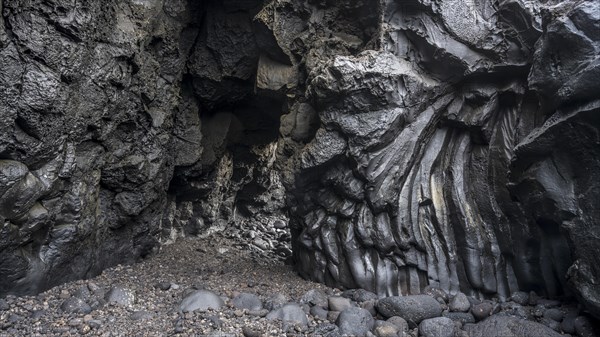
(554, 314)
(437, 327)
(290, 314)
(275, 301)
(142, 315)
(437, 293)
(506, 326)
(361, 295)
(4, 305)
(201, 300)
(75, 305)
(385, 329)
(315, 297)
(121, 296)
(337, 303)
(520, 297)
(355, 321)
(247, 301)
(460, 303)
(400, 323)
(327, 330)
(584, 327)
(413, 308)
(482, 310)
(462, 317)
(318, 312)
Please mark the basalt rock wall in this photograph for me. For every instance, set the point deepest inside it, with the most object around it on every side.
(457, 145)
(451, 143)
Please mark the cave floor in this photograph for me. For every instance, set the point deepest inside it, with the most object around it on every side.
(217, 263)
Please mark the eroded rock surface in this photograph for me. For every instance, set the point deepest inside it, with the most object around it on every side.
(411, 143)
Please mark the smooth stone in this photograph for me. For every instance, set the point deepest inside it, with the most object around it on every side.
(75, 305)
(413, 308)
(507, 326)
(121, 296)
(437, 327)
(290, 313)
(355, 321)
(460, 303)
(482, 310)
(201, 300)
(361, 295)
(318, 312)
(4, 305)
(337, 303)
(247, 301)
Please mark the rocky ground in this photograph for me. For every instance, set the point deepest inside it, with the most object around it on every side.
(220, 285)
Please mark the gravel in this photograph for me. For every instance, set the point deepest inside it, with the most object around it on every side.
(220, 286)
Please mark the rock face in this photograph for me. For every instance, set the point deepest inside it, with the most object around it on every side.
(411, 143)
(453, 149)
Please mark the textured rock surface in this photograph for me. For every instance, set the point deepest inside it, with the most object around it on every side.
(453, 149)
(450, 143)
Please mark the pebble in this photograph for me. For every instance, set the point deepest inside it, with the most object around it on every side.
(163, 285)
(201, 300)
(437, 327)
(4, 305)
(355, 321)
(413, 308)
(460, 303)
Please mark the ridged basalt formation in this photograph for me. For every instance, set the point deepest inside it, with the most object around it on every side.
(451, 143)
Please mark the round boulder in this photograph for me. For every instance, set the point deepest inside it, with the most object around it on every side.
(413, 309)
(201, 300)
(355, 322)
(437, 327)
